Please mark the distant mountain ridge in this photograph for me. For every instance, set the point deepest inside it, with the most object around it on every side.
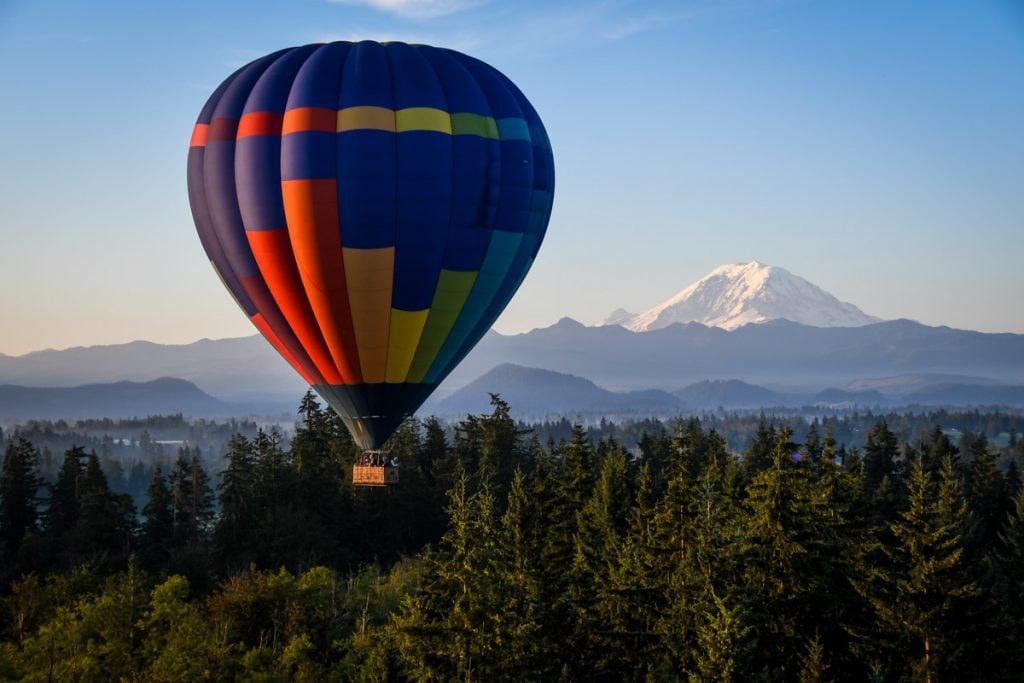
(235, 369)
(777, 352)
(903, 355)
(538, 393)
(533, 393)
(739, 294)
(731, 393)
(902, 385)
(164, 396)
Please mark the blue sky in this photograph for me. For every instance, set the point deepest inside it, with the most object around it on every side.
(874, 148)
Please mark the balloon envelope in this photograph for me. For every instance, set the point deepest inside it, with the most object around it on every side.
(372, 208)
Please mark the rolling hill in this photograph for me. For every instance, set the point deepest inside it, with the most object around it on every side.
(162, 396)
(532, 392)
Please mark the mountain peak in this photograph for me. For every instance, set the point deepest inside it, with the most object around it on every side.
(737, 294)
(619, 316)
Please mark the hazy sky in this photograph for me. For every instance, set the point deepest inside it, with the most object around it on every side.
(874, 148)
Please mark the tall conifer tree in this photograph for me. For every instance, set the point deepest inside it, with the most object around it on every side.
(926, 601)
(157, 532)
(880, 453)
(63, 506)
(19, 490)
(987, 497)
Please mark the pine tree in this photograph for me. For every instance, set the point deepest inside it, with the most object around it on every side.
(180, 485)
(157, 530)
(317, 474)
(656, 451)
(773, 551)
(63, 506)
(467, 449)
(1013, 479)
(1009, 565)
(840, 535)
(600, 527)
(501, 448)
(287, 532)
(106, 520)
(436, 464)
(191, 500)
(782, 555)
(925, 603)
(321, 494)
(19, 489)
(237, 525)
(636, 581)
(707, 623)
(720, 634)
(552, 534)
(828, 450)
(312, 436)
(85, 521)
(813, 447)
(758, 456)
(201, 499)
(814, 668)
(690, 451)
(433, 456)
(273, 468)
(939, 448)
(529, 652)
(987, 498)
(561, 486)
(578, 463)
(452, 629)
(880, 453)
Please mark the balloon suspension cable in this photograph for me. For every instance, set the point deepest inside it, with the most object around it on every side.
(373, 457)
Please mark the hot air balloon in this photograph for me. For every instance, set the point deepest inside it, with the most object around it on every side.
(372, 208)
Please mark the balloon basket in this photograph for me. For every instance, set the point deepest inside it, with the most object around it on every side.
(375, 468)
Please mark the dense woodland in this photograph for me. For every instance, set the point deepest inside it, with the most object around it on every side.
(129, 449)
(511, 554)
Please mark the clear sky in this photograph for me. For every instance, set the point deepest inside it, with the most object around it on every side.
(874, 148)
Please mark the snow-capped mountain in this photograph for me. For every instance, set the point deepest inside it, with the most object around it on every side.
(619, 316)
(737, 294)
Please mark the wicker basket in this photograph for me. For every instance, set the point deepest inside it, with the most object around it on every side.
(374, 475)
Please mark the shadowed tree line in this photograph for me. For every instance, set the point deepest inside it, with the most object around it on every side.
(499, 557)
(128, 449)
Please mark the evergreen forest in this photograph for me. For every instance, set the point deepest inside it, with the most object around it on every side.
(510, 552)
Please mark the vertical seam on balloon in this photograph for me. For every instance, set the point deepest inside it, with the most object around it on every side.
(513, 92)
(516, 97)
(281, 334)
(451, 200)
(215, 234)
(317, 335)
(261, 64)
(394, 227)
(528, 112)
(317, 331)
(451, 211)
(337, 99)
(205, 207)
(358, 418)
(339, 90)
(223, 268)
(475, 334)
(492, 228)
